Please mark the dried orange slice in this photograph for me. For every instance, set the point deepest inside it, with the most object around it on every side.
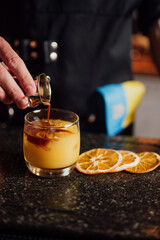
(148, 162)
(98, 160)
(129, 159)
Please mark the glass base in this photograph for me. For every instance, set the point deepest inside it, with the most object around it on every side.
(42, 172)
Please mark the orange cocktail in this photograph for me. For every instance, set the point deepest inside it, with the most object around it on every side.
(51, 147)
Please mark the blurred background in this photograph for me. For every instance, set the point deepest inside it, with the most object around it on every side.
(147, 119)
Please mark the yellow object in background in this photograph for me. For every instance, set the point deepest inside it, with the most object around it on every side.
(134, 91)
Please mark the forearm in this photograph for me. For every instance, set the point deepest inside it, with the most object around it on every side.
(154, 35)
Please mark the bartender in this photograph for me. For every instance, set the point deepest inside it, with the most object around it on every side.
(80, 44)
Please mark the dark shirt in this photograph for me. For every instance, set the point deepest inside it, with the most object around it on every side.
(93, 39)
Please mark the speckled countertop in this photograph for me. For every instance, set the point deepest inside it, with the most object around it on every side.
(107, 206)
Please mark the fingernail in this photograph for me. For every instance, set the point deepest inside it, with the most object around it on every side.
(30, 90)
(23, 103)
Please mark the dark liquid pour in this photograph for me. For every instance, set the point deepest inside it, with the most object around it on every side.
(42, 139)
(48, 113)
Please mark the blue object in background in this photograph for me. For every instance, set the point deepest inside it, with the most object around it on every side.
(120, 101)
(115, 107)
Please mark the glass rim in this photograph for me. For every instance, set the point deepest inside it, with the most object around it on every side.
(52, 109)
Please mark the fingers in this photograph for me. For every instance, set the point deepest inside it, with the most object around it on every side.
(17, 67)
(4, 97)
(4, 65)
(9, 89)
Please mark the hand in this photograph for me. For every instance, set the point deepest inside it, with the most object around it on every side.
(15, 79)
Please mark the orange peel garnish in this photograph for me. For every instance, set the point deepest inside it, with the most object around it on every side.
(98, 160)
(148, 162)
(129, 159)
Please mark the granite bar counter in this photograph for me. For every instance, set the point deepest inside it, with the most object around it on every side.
(103, 206)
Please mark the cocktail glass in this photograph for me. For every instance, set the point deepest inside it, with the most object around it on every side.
(51, 148)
